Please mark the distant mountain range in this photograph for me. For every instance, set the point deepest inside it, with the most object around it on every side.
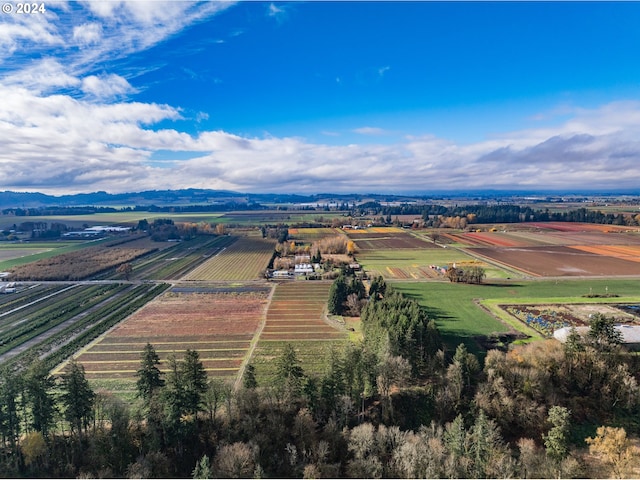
(191, 196)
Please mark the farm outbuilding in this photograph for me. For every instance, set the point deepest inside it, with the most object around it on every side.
(630, 334)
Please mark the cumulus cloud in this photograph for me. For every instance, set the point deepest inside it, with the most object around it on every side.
(58, 143)
(106, 86)
(87, 34)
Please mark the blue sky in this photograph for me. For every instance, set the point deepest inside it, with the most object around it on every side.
(320, 96)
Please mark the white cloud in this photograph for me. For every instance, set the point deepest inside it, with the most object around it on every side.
(369, 131)
(383, 70)
(57, 143)
(43, 75)
(106, 86)
(87, 34)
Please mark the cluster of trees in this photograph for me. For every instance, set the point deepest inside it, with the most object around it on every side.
(466, 274)
(280, 232)
(346, 295)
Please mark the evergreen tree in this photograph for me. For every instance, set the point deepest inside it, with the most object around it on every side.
(149, 375)
(249, 380)
(337, 296)
(38, 384)
(77, 397)
(9, 419)
(194, 381)
(603, 332)
(556, 441)
(289, 372)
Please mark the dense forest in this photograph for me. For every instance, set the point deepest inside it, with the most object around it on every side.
(396, 404)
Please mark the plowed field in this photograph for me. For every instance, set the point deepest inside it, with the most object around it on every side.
(559, 261)
(220, 326)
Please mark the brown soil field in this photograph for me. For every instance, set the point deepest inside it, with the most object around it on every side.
(219, 326)
(625, 252)
(559, 261)
(578, 227)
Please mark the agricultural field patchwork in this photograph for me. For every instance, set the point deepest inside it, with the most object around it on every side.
(219, 324)
(83, 263)
(558, 261)
(177, 259)
(245, 259)
(296, 315)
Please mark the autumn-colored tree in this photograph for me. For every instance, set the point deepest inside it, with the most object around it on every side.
(125, 269)
(613, 447)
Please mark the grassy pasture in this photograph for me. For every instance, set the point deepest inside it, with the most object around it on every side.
(459, 317)
(32, 252)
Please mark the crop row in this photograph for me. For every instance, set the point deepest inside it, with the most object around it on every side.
(246, 259)
(24, 297)
(99, 321)
(79, 309)
(83, 298)
(295, 316)
(174, 262)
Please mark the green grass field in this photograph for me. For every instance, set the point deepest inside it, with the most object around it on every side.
(51, 249)
(455, 307)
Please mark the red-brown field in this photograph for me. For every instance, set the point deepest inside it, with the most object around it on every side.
(579, 227)
(220, 326)
(489, 239)
(559, 261)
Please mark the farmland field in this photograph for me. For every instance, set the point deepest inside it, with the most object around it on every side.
(310, 235)
(385, 238)
(455, 307)
(295, 316)
(246, 259)
(33, 251)
(85, 262)
(179, 258)
(52, 321)
(414, 264)
(559, 261)
(220, 326)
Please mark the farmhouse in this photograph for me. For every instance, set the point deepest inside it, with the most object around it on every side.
(630, 334)
(302, 268)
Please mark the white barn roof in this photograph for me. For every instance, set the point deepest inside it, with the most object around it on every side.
(630, 333)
